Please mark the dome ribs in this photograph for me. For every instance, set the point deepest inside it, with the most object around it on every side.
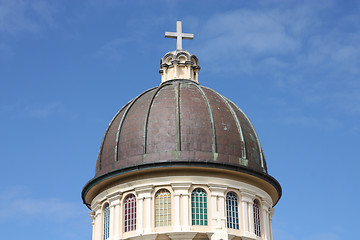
(107, 138)
(132, 132)
(122, 121)
(227, 135)
(243, 150)
(213, 136)
(178, 119)
(147, 117)
(161, 121)
(246, 123)
(195, 126)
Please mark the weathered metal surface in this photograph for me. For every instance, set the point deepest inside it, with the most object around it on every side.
(180, 121)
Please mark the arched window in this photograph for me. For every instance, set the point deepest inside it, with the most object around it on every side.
(257, 225)
(232, 211)
(199, 207)
(106, 221)
(130, 213)
(162, 208)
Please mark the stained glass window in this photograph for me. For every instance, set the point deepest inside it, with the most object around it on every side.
(257, 225)
(232, 211)
(162, 208)
(106, 221)
(199, 207)
(130, 213)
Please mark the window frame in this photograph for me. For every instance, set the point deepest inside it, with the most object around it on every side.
(106, 220)
(130, 204)
(166, 203)
(257, 217)
(201, 216)
(232, 211)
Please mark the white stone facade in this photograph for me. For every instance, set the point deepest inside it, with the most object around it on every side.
(181, 188)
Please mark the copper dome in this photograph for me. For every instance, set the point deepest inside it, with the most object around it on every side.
(176, 122)
(180, 124)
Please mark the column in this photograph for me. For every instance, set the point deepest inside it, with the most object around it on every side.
(176, 217)
(92, 215)
(251, 216)
(245, 216)
(98, 223)
(265, 219)
(114, 200)
(96, 215)
(175, 70)
(139, 214)
(165, 74)
(185, 212)
(181, 206)
(247, 213)
(218, 212)
(112, 219)
(144, 209)
(148, 212)
(218, 206)
(272, 210)
(188, 70)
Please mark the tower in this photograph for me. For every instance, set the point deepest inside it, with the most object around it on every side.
(181, 161)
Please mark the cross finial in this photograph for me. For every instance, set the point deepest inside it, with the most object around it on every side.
(179, 35)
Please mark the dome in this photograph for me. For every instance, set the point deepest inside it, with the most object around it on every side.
(177, 124)
(181, 161)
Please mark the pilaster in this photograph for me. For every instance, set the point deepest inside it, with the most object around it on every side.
(96, 207)
(115, 205)
(181, 205)
(265, 217)
(144, 209)
(218, 206)
(247, 199)
(92, 215)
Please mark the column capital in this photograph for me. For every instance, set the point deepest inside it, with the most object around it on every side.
(217, 189)
(96, 206)
(272, 210)
(246, 195)
(144, 191)
(265, 203)
(114, 198)
(180, 186)
(92, 215)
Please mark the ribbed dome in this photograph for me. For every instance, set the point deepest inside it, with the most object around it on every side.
(180, 123)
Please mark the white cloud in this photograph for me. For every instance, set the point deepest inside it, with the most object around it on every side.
(23, 109)
(17, 202)
(308, 52)
(316, 122)
(286, 37)
(113, 49)
(246, 37)
(25, 16)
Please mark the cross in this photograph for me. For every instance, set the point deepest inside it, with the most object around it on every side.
(179, 35)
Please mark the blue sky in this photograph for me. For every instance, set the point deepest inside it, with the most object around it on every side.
(66, 68)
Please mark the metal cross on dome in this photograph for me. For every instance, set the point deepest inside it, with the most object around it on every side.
(179, 35)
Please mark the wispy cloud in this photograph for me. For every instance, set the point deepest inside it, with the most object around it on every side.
(317, 122)
(27, 109)
(25, 16)
(306, 50)
(113, 49)
(16, 202)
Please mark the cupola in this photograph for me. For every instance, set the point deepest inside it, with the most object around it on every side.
(179, 64)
